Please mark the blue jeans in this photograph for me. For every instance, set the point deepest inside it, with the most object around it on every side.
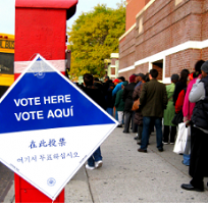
(96, 156)
(146, 129)
(186, 159)
(110, 111)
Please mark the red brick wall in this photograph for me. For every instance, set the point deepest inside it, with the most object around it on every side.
(205, 54)
(165, 26)
(205, 21)
(127, 75)
(127, 51)
(132, 9)
(175, 63)
(143, 68)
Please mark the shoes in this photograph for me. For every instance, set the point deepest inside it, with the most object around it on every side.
(125, 131)
(98, 164)
(119, 126)
(89, 167)
(160, 150)
(136, 138)
(139, 143)
(141, 150)
(165, 143)
(189, 187)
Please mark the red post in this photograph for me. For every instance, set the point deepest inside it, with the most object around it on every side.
(40, 27)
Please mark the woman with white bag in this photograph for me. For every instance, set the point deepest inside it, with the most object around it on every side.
(199, 133)
(188, 107)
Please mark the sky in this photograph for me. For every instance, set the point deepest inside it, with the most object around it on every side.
(7, 12)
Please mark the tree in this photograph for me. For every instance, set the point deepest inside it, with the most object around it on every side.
(93, 37)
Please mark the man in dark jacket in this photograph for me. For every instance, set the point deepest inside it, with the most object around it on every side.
(153, 101)
(95, 161)
(127, 98)
(199, 132)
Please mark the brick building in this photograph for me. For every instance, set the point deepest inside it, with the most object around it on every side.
(168, 35)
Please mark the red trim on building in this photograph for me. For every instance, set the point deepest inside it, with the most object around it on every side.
(55, 4)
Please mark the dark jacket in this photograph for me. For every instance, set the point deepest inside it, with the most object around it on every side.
(153, 99)
(200, 112)
(138, 118)
(119, 103)
(95, 94)
(127, 96)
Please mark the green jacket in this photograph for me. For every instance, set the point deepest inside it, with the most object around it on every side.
(169, 112)
(119, 103)
(153, 99)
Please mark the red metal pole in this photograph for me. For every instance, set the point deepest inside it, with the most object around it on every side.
(40, 27)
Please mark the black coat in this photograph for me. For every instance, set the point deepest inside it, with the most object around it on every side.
(199, 140)
(108, 94)
(96, 94)
(127, 96)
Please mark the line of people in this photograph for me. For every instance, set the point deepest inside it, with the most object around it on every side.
(162, 107)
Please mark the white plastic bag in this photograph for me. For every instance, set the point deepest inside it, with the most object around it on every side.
(181, 140)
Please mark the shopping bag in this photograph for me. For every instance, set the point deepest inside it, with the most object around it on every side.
(187, 150)
(135, 105)
(181, 140)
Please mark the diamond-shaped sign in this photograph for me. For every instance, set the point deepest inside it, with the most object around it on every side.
(49, 127)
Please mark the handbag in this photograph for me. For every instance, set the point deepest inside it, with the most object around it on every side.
(181, 140)
(178, 118)
(135, 105)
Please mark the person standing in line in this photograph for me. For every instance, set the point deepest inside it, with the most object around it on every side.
(138, 118)
(153, 101)
(169, 113)
(199, 132)
(181, 84)
(118, 83)
(127, 98)
(119, 104)
(109, 99)
(188, 107)
(95, 161)
(139, 78)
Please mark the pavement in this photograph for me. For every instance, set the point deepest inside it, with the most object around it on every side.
(128, 176)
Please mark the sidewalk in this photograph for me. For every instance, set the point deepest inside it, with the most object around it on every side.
(128, 176)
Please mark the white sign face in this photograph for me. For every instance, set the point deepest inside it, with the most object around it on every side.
(49, 128)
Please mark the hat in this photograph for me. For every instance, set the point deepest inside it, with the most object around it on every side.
(175, 77)
(140, 75)
(205, 67)
(116, 80)
(121, 78)
(132, 78)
